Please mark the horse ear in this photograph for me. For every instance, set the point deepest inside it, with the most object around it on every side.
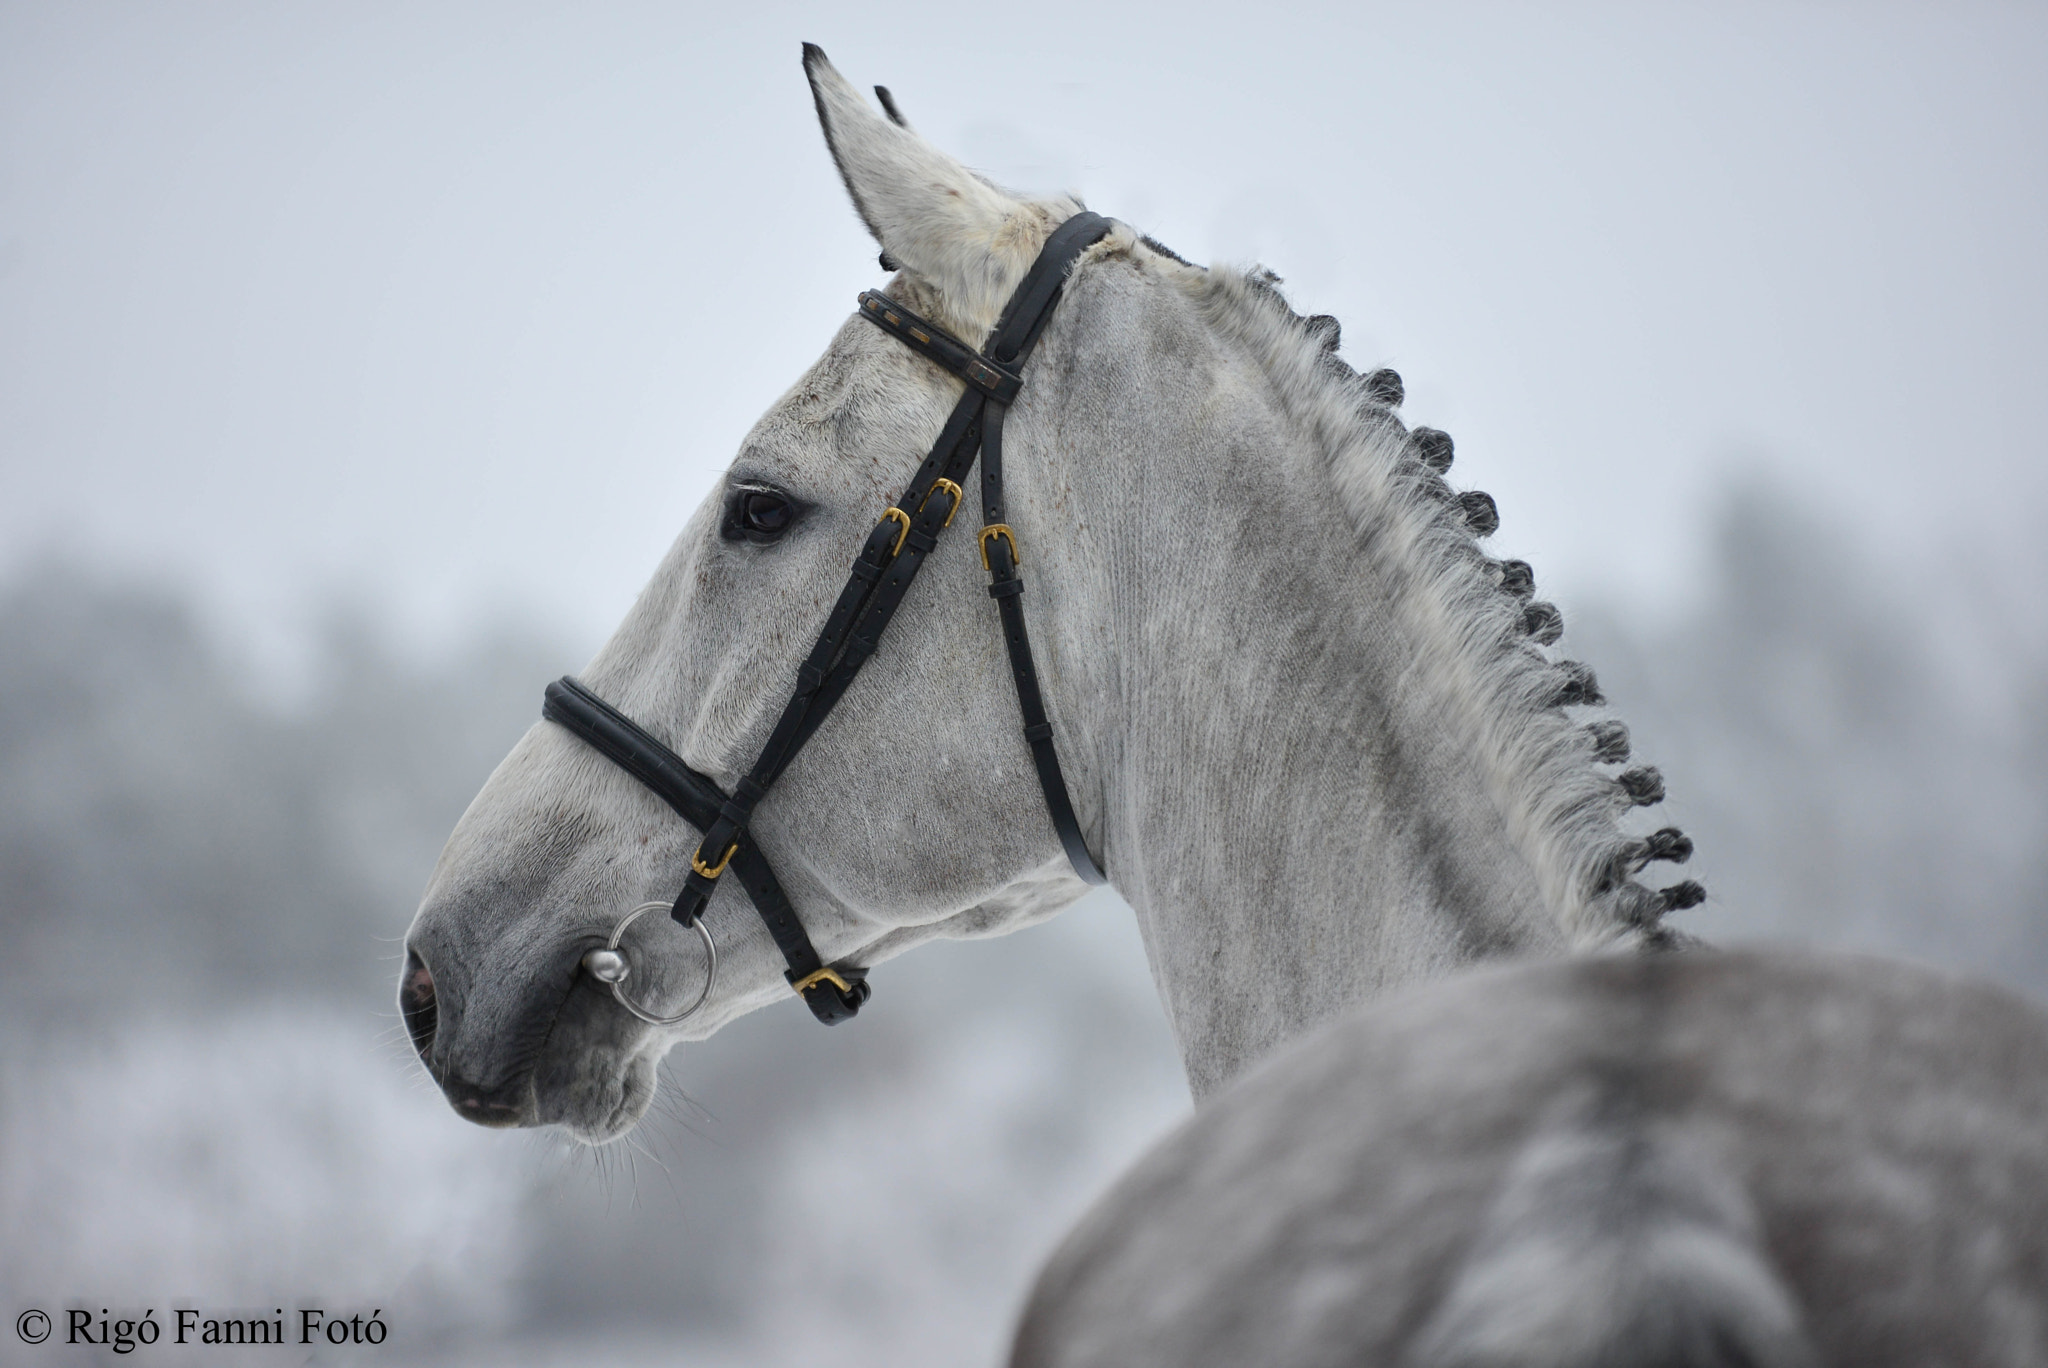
(930, 214)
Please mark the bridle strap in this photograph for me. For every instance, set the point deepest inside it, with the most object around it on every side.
(897, 549)
(888, 563)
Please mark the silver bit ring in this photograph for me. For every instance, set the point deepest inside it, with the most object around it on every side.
(609, 965)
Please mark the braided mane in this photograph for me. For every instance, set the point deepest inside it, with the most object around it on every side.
(1479, 635)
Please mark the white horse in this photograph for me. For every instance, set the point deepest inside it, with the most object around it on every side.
(1726, 1160)
(1310, 727)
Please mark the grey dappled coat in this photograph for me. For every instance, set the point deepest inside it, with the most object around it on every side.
(1775, 1160)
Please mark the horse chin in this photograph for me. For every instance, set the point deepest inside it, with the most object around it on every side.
(600, 1104)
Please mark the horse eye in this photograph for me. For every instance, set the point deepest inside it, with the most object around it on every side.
(760, 515)
(766, 513)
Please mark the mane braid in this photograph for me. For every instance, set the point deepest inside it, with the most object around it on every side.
(1475, 639)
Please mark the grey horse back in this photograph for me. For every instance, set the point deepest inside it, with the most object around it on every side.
(1761, 1159)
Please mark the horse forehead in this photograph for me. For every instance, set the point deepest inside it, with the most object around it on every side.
(829, 384)
(860, 399)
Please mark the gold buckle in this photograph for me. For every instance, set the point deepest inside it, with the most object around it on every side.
(818, 976)
(942, 483)
(990, 533)
(697, 862)
(897, 515)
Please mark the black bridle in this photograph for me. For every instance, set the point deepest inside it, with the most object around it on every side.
(893, 554)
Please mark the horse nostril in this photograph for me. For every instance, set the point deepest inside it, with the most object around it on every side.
(416, 1004)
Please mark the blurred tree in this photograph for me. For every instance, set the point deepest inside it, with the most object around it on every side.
(169, 840)
(1857, 759)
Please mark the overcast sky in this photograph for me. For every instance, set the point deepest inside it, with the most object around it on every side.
(463, 308)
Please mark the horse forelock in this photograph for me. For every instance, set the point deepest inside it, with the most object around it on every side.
(1504, 694)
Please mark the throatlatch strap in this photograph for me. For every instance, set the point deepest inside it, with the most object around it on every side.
(1006, 587)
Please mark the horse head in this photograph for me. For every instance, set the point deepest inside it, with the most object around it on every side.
(908, 817)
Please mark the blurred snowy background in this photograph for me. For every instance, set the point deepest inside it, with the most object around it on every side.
(354, 371)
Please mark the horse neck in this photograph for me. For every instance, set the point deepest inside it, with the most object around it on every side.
(1278, 786)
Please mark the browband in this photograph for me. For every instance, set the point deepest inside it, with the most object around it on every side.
(997, 382)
